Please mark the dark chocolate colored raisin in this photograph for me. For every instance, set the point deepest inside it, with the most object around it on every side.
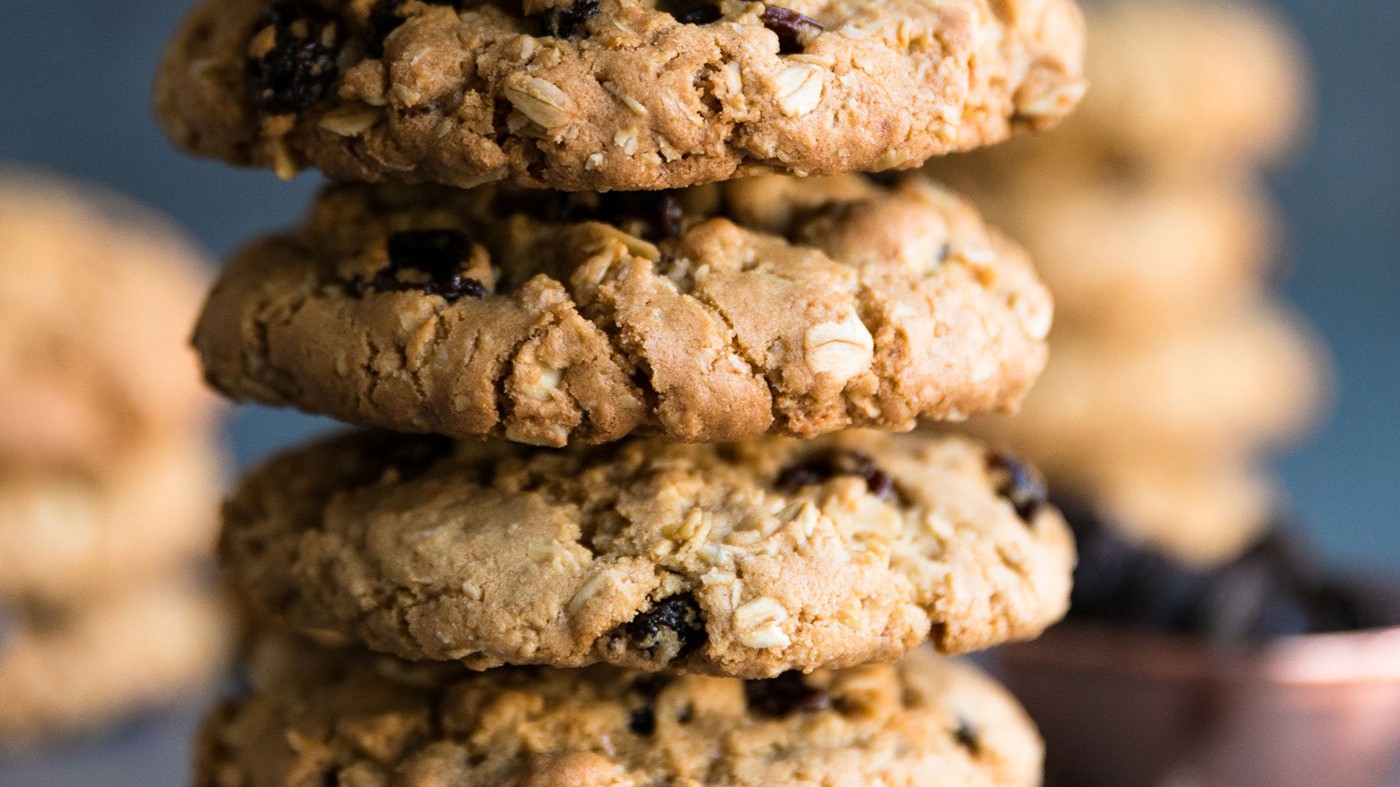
(564, 21)
(301, 65)
(967, 737)
(659, 213)
(653, 215)
(694, 13)
(428, 261)
(1020, 483)
(822, 467)
(668, 219)
(672, 629)
(793, 29)
(784, 695)
(643, 721)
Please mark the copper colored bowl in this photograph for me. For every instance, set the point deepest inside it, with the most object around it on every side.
(1120, 707)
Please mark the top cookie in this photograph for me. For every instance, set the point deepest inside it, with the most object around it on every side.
(96, 299)
(722, 312)
(612, 94)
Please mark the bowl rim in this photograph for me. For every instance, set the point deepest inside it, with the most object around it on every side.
(1308, 659)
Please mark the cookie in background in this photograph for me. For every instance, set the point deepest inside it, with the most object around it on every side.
(1204, 645)
(110, 466)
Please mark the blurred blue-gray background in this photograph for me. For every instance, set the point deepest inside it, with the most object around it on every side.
(74, 85)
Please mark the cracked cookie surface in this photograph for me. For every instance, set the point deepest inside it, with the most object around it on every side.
(717, 313)
(319, 717)
(603, 95)
(744, 560)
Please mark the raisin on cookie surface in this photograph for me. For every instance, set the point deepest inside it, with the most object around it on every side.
(768, 305)
(346, 717)
(603, 95)
(745, 559)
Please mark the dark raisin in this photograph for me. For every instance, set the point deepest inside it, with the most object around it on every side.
(698, 14)
(823, 467)
(655, 216)
(428, 261)
(668, 218)
(672, 629)
(1019, 483)
(301, 64)
(643, 721)
(785, 695)
(967, 737)
(793, 29)
(564, 21)
(1117, 580)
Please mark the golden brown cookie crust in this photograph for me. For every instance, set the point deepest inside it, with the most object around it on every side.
(746, 559)
(769, 305)
(349, 718)
(622, 95)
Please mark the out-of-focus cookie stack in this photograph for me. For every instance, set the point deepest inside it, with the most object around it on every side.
(617, 482)
(1173, 369)
(109, 469)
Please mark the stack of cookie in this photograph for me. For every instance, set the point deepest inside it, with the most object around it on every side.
(1173, 369)
(108, 465)
(615, 534)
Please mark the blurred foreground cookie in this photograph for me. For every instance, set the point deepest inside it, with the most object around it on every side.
(68, 533)
(74, 666)
(769, 305)
(344, 717)
(1191, 82)
(1124, 255)
(1210, 390)
(96, 299)
(605, 95)
(743, 560)
(1199, 511)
